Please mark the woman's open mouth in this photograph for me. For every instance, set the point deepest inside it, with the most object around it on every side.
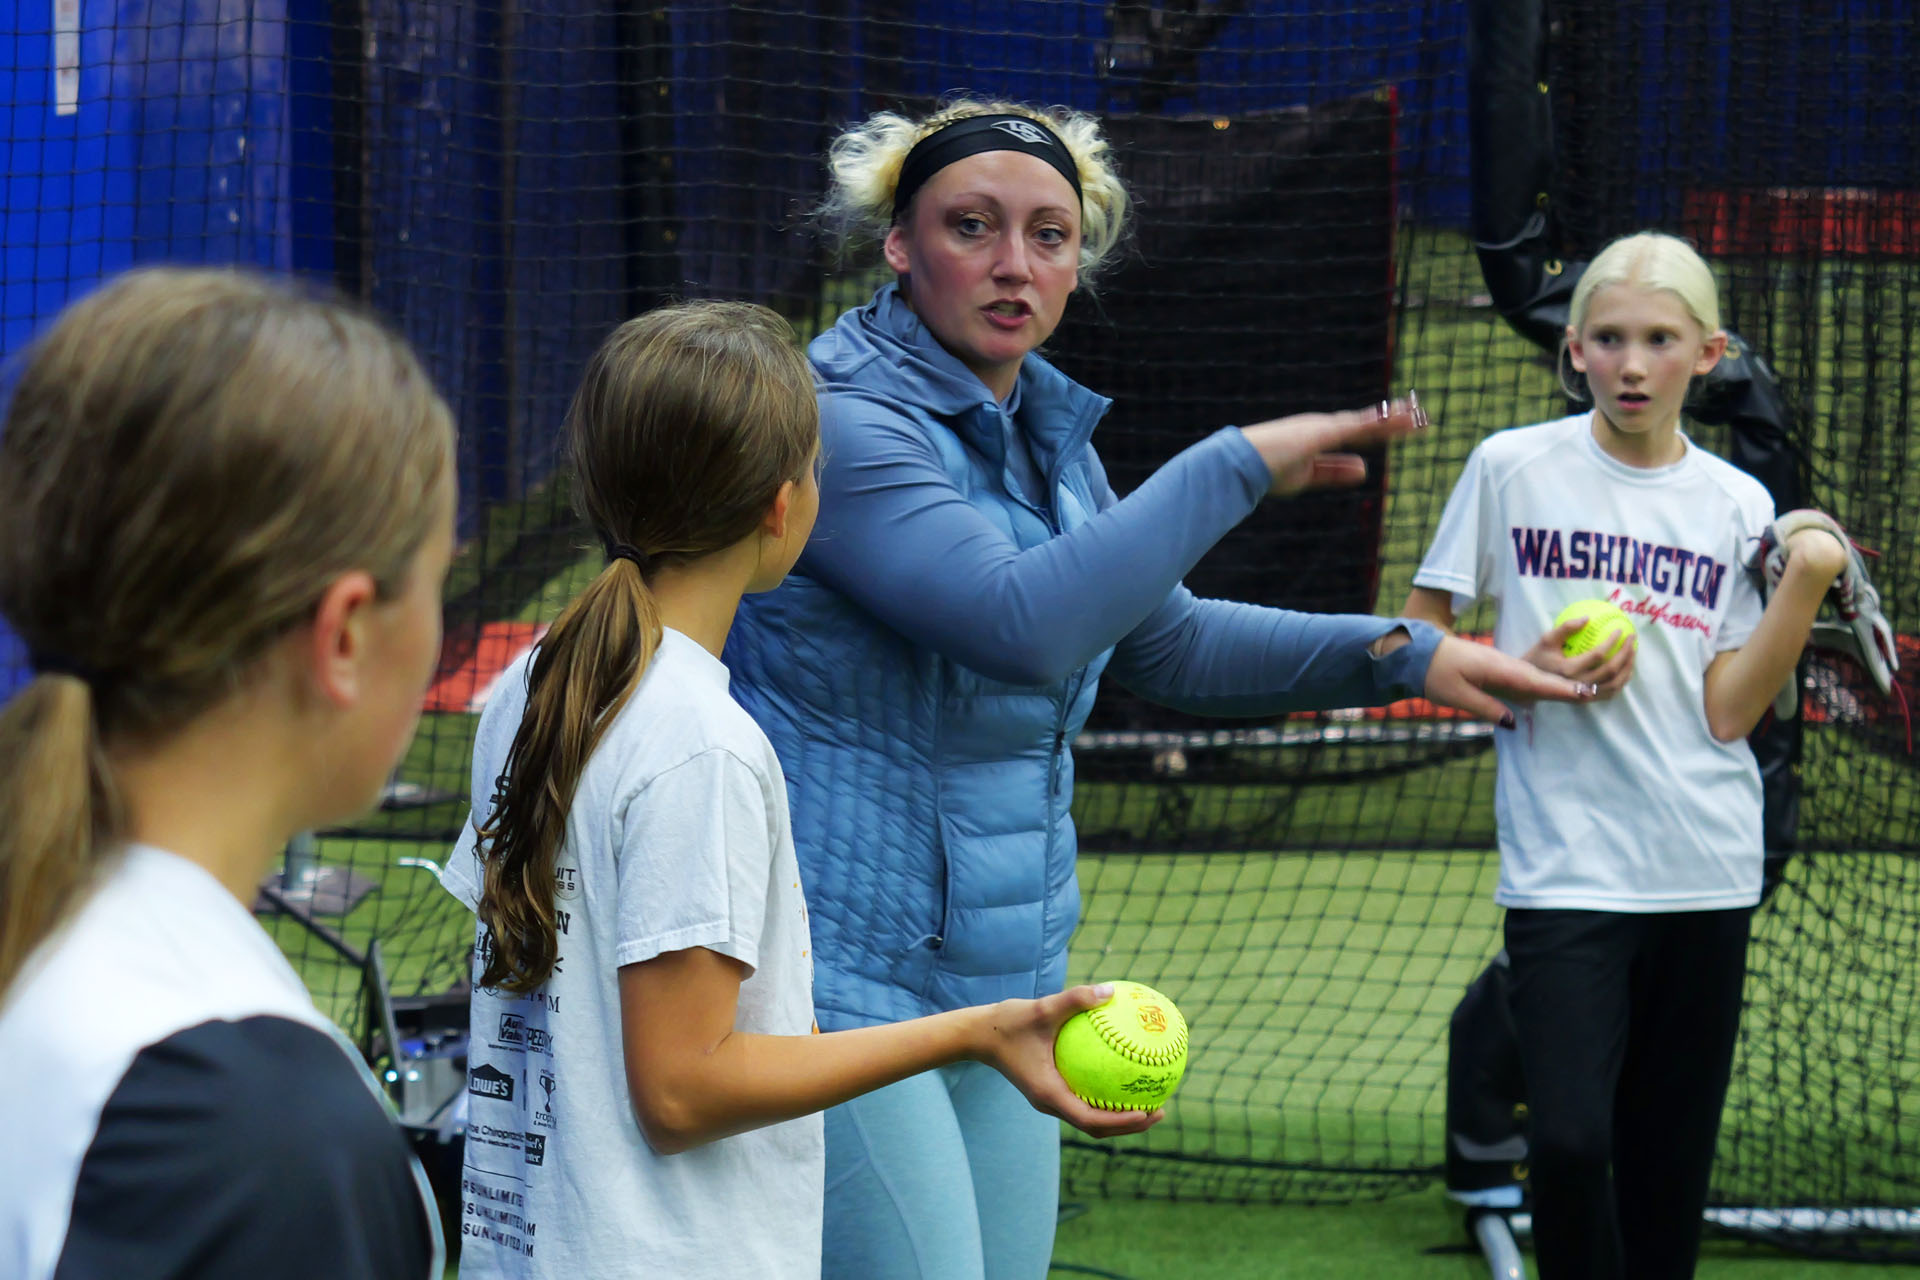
(1008, 314)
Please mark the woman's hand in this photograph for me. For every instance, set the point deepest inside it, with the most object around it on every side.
(1475, 677)
(1594, 667)
(1017, 1041)
(1310, 450)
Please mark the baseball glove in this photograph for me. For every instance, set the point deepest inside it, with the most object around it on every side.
(1862, 632)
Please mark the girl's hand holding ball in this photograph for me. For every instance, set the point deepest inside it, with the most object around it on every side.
(1591, 641)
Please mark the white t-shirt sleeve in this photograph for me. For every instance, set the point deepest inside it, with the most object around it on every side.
(1461, 557)
(461, 874)
(1744, 601)
(696, 849)
(492, 744)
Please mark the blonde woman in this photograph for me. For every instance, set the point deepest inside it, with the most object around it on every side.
(226, 510)
(973, 578)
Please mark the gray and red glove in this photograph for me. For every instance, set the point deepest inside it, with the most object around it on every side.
(1862, 632)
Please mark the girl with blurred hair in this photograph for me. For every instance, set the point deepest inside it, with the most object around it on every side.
(226, 510)
(645, 1074)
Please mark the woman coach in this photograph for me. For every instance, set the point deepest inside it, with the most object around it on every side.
(971, 579)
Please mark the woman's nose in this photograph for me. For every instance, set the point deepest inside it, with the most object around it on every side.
(1012, 263)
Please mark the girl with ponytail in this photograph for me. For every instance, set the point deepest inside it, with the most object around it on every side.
(226, 511)
(645, 1074)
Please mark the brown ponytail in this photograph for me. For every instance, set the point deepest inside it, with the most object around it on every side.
(687, 422)
(58, 796)
(188, 459)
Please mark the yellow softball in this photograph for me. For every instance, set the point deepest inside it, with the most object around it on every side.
(1126, 1055)
(1603, 618)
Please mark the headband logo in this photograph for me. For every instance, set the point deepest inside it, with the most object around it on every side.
(1026, 131)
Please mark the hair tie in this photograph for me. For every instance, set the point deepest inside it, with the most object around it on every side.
(59, 664)
(627, 551)
(971, 135)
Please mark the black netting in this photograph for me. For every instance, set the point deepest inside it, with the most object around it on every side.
(505, 182)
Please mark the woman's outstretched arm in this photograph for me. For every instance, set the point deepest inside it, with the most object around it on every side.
(899, 538)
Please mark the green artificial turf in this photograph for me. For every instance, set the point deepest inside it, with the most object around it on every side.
(1413, 1237)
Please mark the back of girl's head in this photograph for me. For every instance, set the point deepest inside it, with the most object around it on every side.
(864, 164)
(189, 458)
(687, 422)
(1651, 260)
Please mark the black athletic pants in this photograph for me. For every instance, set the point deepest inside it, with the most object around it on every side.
(1626, 1025)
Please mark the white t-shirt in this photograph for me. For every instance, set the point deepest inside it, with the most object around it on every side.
(174, 1104)
(677, 837)
(1627, 804)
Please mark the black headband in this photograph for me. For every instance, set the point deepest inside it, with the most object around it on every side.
(971, 136)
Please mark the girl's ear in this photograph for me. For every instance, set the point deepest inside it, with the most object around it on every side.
(335, 649)
(774, 525)
(1574, 351)
(1710, 352)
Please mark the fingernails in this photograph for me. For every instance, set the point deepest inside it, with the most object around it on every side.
(1586, 690)
(1104, 990)
(1384, 409)
(1420, 418)
(1507, 721)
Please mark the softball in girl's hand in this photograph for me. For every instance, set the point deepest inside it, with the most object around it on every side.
(1126, 1055)
(1603, 618)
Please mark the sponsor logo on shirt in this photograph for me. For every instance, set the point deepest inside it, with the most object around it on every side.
(513, 1029)
(482, 1191)
(544, 1116)
(497, 1215)
(566, 882)
(536, 1148)
(489, 1081)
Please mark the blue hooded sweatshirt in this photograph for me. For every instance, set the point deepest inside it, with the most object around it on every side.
(938, 646)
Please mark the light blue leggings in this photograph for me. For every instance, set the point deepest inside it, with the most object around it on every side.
(949, 1175)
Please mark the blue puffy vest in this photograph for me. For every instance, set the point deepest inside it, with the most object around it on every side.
(930, 803)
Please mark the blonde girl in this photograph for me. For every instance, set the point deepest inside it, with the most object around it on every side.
(1630, 842)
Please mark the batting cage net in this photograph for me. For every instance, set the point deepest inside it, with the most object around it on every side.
(506, 181)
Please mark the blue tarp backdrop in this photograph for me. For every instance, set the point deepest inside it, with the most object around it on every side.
(176, 137)
(486, 177)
